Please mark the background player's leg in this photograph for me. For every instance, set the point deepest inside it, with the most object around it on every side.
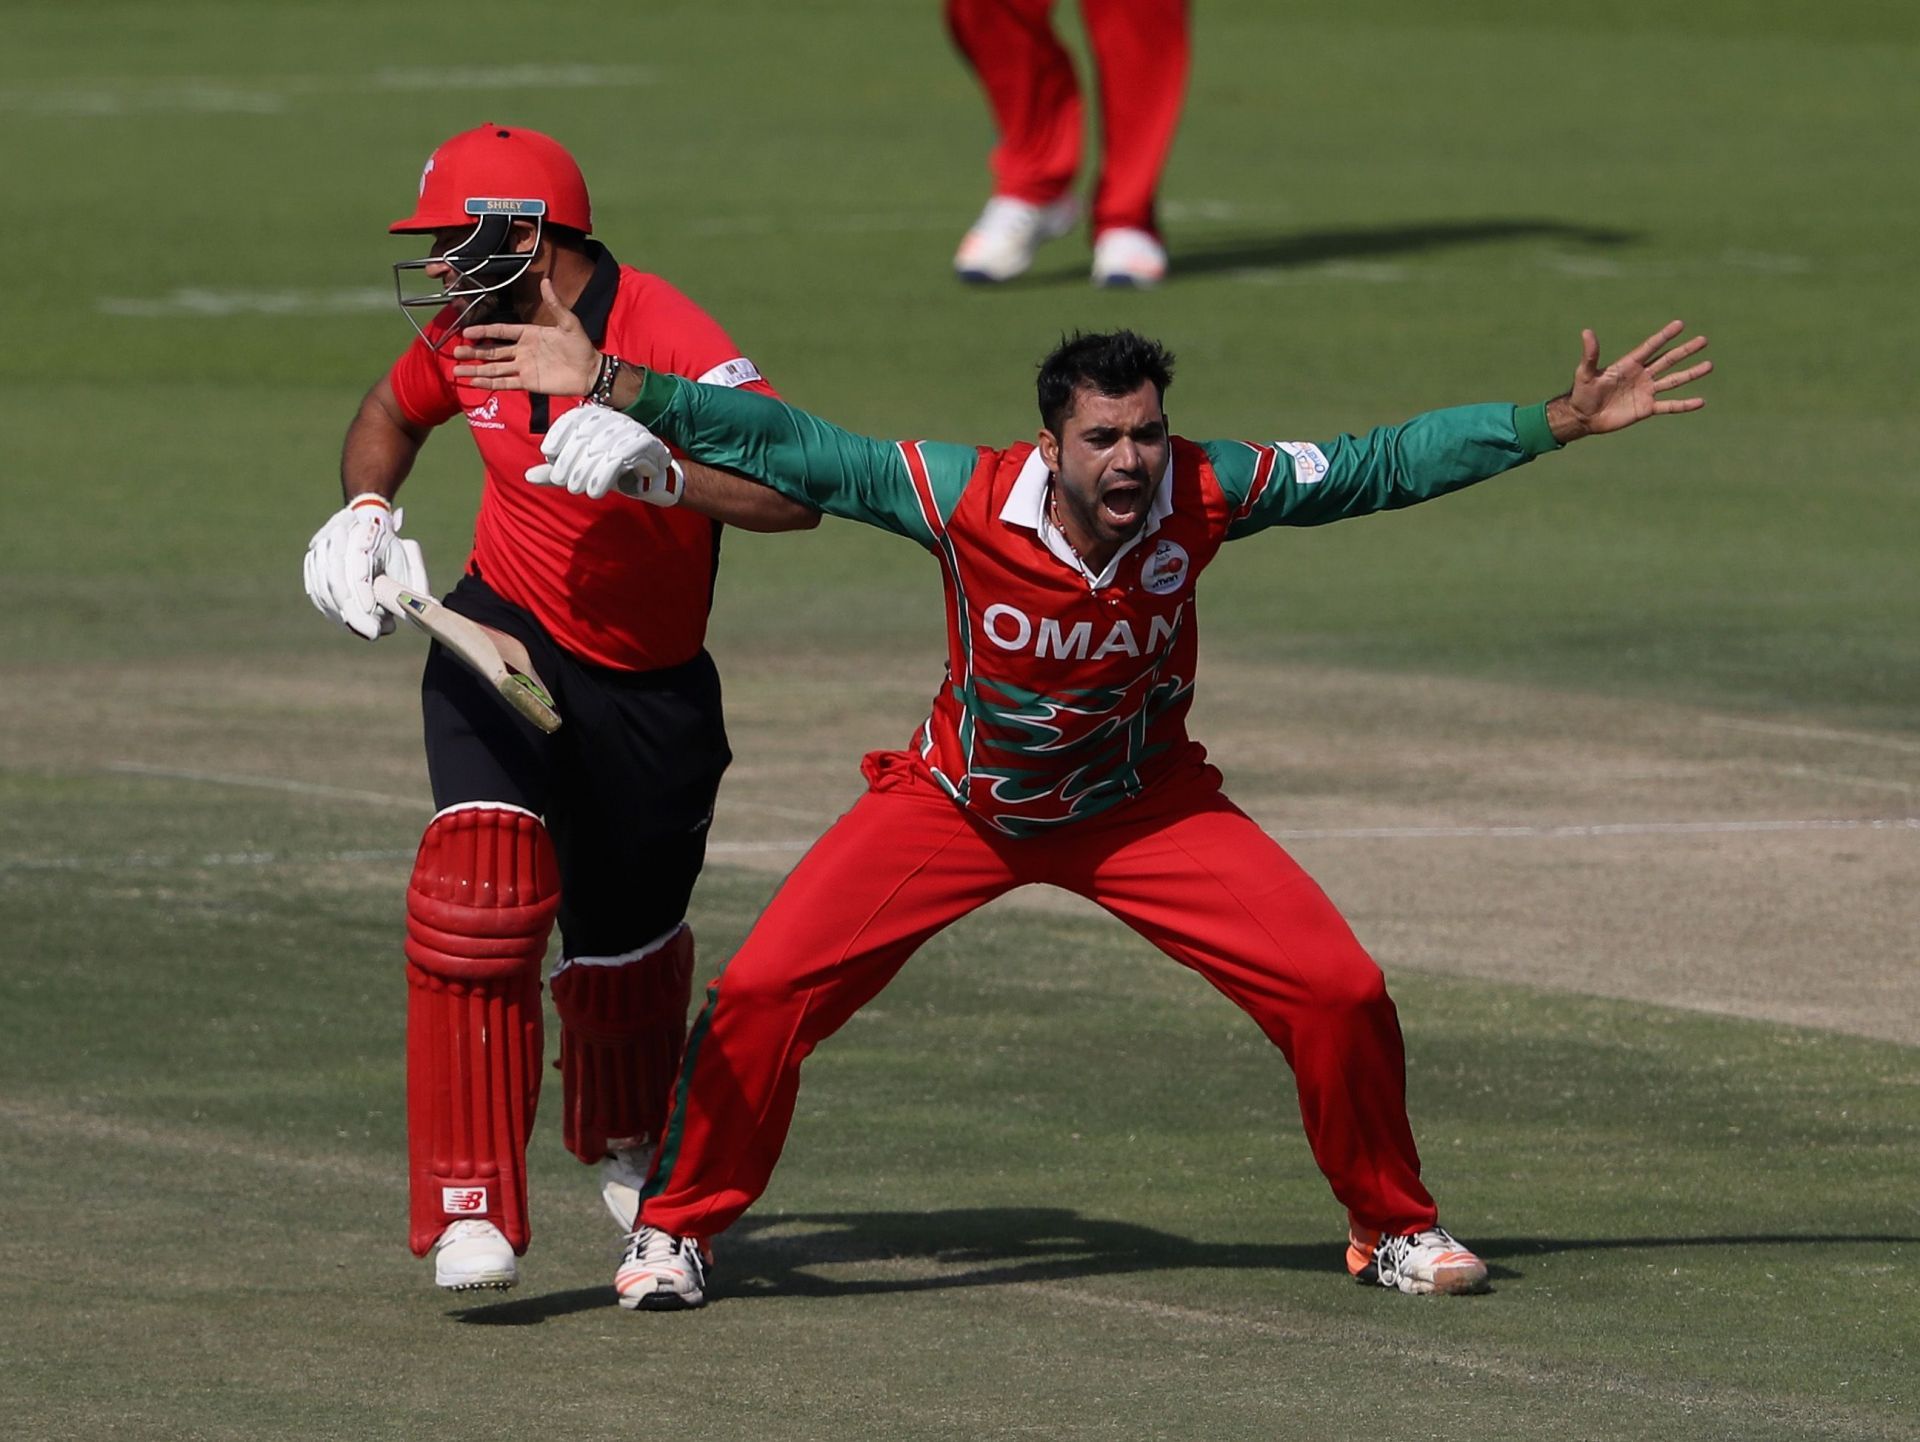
(1030, 86)
(1197, 877)
(900, 865)
(1140, 50)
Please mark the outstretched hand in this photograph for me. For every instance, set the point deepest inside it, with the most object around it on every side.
(552, 355)
(1628, 391)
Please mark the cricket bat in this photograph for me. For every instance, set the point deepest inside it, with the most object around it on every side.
(497, 658)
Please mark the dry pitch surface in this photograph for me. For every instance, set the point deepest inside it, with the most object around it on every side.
(1724, 863)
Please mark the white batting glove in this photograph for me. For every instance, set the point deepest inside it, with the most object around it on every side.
(360, 541)
(592, 450)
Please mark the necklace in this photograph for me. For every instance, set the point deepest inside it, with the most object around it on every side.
(1059, 525)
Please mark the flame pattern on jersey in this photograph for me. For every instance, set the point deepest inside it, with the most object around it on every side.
(1023, 737)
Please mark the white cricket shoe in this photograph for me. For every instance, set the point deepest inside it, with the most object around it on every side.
(1418, 1262)
(1008, 232)
(474, 1256)
(623, 1172)
(660, 1272)
(1126, 257)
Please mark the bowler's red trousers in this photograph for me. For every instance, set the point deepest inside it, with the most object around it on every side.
(1140, 49)
(1180, 864)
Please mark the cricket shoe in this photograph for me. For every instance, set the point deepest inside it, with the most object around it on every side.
(1127, 258)
(472, 1257)
(660, 1272)
(623, 1172)
(1008, 232)
(1418, 1262)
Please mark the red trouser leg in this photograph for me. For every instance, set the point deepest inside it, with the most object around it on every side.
(903, 863)
(1193, 874)
(1029, 81)
(1141, 50)
(484, 890)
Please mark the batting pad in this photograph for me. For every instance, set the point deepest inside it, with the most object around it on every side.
(479, 906)
(623, 1025)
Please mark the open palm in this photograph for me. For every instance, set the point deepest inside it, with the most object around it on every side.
(1630, 390)
(553, 356)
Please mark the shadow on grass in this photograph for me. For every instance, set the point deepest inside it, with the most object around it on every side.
(1298, 249)
(989, 1247)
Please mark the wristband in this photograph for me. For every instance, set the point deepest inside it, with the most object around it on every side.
(609, 372)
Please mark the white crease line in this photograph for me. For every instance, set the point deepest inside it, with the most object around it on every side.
(61, 1125)
(1814, 733)
(270, 95)
(266, 783)
(155, 860)
(1617, 828)
(160, 860)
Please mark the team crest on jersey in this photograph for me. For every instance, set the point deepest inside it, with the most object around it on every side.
(1165, 569)
(486, 416)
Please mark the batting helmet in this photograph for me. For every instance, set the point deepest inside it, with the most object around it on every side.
(488, 178)
(498, 162)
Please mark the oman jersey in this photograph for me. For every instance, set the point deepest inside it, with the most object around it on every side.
(618, 583)
(1066, 692)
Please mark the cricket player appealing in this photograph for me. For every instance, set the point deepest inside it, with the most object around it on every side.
(604, 822)
(1056, 751)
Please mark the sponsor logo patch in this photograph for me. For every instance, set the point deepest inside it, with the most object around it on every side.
(1309, 461)
(736, 372)
(1165, 570)
(463, 1201)
(486, 416)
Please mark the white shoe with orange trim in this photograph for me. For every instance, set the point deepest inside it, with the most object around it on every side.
(660, 1272)
(1418, 1262)
(1124, 257)
(474, 1256)
(1002, 241)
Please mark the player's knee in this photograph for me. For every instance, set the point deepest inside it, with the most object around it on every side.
(754, 988)
(483, 893)
(1353, 983)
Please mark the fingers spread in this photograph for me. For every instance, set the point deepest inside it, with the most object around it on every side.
(1677, 354)
(1685, 377)
(1640, 353)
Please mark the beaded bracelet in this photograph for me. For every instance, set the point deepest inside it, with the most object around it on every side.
(602, 392)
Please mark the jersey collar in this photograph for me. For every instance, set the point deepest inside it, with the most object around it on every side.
(1026, 506)
(595, 305)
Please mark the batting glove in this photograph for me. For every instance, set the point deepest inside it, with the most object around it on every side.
(360, 541)
(592, 450)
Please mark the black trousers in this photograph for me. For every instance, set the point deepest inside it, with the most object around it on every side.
(626, 785)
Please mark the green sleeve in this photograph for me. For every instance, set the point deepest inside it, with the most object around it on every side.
(1383, 470)
(802, 456)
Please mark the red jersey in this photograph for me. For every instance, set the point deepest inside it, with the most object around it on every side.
(618, 583)
(1066, 693)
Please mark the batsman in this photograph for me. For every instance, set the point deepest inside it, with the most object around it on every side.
(602, 824)
(1056, 750)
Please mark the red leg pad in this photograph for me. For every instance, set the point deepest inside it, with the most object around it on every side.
(622, 1029)
(484, 890)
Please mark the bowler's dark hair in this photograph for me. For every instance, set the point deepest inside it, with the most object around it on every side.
(1113, 363)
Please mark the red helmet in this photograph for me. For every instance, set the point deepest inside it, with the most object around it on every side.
(498, 162)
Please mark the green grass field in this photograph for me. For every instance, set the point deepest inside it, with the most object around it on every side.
(1048, 1185)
